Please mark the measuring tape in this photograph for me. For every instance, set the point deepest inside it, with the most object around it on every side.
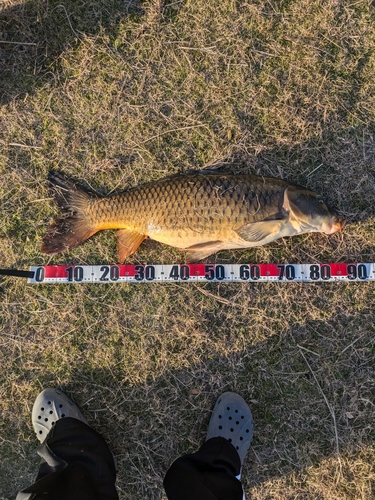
(198, 273)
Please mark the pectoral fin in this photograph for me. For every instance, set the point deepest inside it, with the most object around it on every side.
(203, 250)
(127, 242)
(258, 231)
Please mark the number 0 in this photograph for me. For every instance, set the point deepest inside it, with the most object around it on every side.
(39, 275)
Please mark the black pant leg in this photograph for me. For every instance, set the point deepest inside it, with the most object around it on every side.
(208, 474)
(77, 465)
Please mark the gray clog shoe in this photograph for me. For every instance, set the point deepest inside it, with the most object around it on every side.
(232, 419)
(50, 406)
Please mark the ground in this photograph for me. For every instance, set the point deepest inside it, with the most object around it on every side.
(117, 93)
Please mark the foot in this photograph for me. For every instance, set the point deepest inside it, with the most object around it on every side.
(50, 406)
(231, 419)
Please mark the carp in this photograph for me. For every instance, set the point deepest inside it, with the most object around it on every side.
(201, 212)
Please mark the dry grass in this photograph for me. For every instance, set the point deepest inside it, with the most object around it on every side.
(119, 93)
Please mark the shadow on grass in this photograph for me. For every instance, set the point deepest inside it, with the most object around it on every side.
(338, 164)
(309, 389)
(34, 34)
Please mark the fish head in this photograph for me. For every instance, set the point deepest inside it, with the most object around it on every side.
(308, 210)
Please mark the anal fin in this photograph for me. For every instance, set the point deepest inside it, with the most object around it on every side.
(202, 250)
(127, 242)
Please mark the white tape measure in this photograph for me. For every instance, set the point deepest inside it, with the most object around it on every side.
(198, 273)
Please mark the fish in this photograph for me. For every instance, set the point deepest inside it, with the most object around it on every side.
(201, 212)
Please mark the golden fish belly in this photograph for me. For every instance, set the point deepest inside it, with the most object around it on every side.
(183, 239)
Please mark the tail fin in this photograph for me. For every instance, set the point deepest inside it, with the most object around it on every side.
(72, 228)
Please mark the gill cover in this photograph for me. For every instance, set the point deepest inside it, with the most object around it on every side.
(306, 206)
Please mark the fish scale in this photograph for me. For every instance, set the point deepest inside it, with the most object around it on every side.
(201, 212)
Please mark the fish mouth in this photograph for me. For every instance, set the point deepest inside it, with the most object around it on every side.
(336, 224)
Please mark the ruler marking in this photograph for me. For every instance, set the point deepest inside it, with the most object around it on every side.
(204, 273)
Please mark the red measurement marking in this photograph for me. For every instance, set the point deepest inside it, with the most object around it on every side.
(269, 270)
(337, 269)
(196, 269)
(127, 271)
(55, 271)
